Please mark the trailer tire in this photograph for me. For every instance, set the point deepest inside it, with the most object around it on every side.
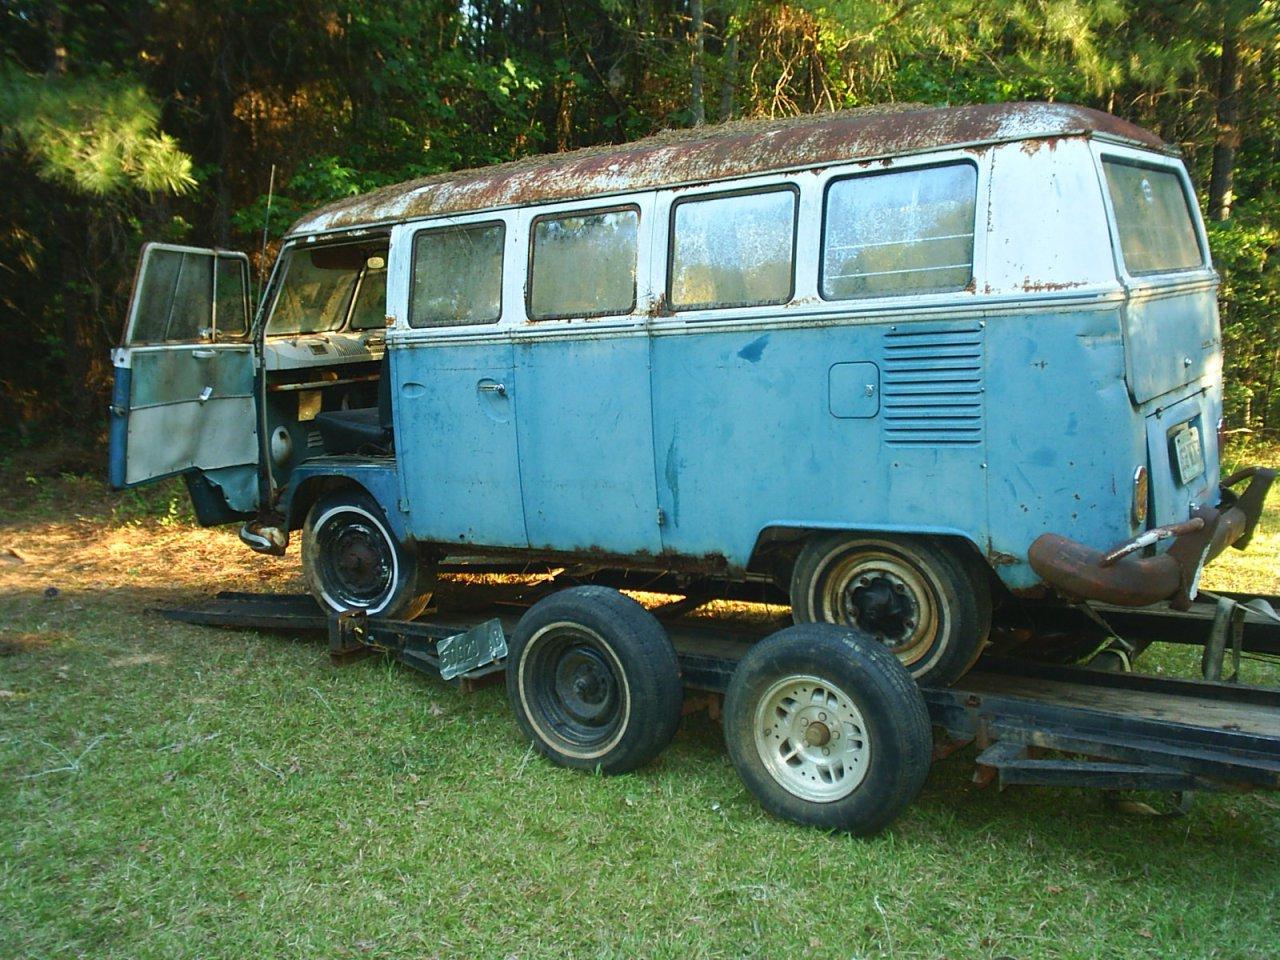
(913, 593)
(351, 560)
(827, 729)
(593, 680)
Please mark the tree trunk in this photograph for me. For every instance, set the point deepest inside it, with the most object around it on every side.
(728, 82)
(1227, 141)
(699, 36)
(57, 66)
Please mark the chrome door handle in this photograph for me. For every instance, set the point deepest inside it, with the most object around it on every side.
(204, 353)
(499, 388)
(205, 394)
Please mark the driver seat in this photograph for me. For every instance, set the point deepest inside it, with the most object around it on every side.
(365, 428)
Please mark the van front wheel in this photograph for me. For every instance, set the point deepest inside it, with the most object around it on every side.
(910, 593)
(352, 561)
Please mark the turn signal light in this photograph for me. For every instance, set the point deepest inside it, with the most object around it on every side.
(1140, 489)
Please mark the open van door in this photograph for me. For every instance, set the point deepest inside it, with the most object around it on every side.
(184, 373)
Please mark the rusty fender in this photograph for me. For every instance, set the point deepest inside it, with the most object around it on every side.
(1118, 576)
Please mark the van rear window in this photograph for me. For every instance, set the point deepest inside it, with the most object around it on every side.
(899, 232)
(1153, 217)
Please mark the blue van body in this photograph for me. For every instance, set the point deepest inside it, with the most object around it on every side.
(1053, 393)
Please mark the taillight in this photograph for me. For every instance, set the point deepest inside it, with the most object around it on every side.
(1140, 485)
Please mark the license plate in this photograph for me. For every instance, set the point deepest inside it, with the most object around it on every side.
(1186, 447)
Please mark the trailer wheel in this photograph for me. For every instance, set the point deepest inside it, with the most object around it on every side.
(912, 594)
(352, 561)
(593, 680)
(827, 728)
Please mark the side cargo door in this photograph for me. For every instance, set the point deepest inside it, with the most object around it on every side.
(184, 373)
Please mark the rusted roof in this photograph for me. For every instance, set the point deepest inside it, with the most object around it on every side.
(733, 149)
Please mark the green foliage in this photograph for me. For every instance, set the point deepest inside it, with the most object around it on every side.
(97, 136)
(111, 113)
(1246, 252)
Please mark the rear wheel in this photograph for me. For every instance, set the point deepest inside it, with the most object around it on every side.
(911, 594)
(593, 680)
(827, 729)
(352, 561)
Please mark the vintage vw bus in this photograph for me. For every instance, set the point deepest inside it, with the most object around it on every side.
(904, 362)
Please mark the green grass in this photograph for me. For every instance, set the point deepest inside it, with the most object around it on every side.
(173, 791)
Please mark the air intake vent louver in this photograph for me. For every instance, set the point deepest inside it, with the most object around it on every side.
(932, 390)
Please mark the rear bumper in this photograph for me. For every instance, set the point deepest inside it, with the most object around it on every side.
(1119, 577)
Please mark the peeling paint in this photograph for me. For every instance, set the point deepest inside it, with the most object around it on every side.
(1042, 286)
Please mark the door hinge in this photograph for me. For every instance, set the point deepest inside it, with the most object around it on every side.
(662, 517)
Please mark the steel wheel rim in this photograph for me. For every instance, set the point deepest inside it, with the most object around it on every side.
(356, 558)
(883, 595)
(812, 738)
(574, 690)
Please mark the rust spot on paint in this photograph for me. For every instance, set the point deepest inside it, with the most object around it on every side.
(733, 149)
(1042, 286)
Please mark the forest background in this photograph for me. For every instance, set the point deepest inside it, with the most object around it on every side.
(137, 120)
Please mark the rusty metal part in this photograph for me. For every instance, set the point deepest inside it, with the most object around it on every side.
(733, 149)
(1150, 537)
(1079, 572)
(266, 535)
(1251, 501)
(1075, 571)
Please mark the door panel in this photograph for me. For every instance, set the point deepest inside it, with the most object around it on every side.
(171, 430)
(455, 433)
(586, 444)
(184, 395)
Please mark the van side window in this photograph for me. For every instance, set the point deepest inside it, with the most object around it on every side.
(732, 251)
(583, 264)
(1153, 218)
(457, 276)
(900, 232)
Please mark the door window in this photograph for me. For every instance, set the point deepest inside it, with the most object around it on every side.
(584, 264)
(902, 232)
(185, 295)
(231, 314)
(457, 276)
(733, 251)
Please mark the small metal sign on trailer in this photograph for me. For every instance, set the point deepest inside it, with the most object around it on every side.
(823, 724)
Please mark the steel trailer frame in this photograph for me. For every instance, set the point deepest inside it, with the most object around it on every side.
(1033, 723)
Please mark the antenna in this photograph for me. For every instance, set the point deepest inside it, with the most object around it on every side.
(266, 222)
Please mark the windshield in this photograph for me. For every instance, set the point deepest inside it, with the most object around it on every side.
(315, 294)
(370, 309)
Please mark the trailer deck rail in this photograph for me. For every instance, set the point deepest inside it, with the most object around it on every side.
(1034, 723)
